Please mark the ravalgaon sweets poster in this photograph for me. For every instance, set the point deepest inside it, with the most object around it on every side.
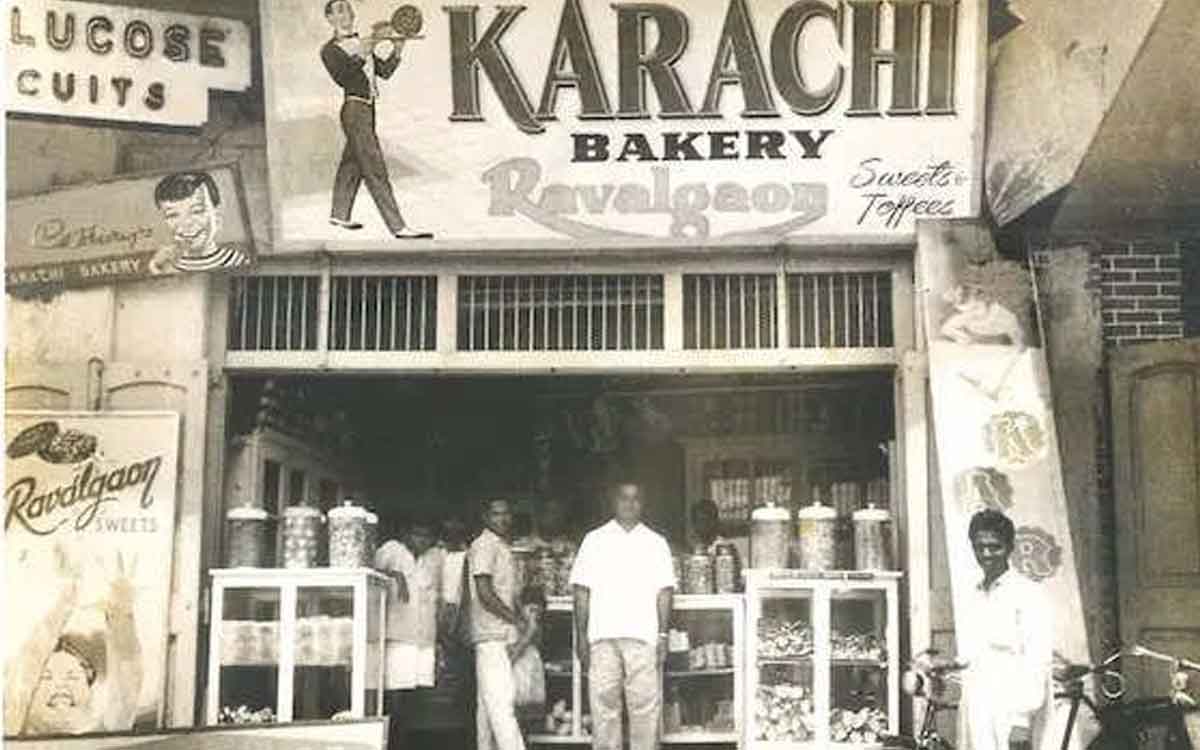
(88, 531)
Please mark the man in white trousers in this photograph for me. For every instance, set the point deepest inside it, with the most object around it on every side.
(493, 617)
(1007, 648)
(623, 582)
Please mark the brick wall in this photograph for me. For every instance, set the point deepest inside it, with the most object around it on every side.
(1141, 291)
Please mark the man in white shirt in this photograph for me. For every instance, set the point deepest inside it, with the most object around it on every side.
(623, 581)
(494, 617)
(1006, 646)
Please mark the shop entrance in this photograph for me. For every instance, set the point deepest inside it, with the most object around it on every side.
(431, 448)
(436, 446)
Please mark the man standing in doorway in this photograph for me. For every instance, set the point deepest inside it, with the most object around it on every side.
(414, 601)
(355, 65)
(1007, 646)
(623, 582)
(494, 617)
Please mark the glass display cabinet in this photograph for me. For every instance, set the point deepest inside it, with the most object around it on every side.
(292, 645)
(823, 656)
(702, 679)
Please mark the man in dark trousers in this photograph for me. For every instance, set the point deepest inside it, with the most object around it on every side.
(354, 64)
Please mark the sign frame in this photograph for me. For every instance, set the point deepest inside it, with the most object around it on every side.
(972, 36)
(32, 200)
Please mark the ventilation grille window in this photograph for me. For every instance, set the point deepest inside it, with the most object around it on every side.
(273, 313)
(730, 311)
(840, 310)
(383, 313)
(560, 313)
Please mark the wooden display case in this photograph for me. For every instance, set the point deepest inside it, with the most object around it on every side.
(822, 651)
(706, 689)
(306, 644)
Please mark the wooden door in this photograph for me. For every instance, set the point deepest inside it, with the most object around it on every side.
(1156, 457)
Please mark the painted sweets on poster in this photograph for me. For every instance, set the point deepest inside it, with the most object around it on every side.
(131, 227)
(578, 120)
(89, 524)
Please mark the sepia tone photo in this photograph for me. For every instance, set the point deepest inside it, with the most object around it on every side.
(731, 374)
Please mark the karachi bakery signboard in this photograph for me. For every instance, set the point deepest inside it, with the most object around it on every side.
(89, 524)
(581, 121)
(132, 227)
(119, 63)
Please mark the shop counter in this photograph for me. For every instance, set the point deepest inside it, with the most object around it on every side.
(295, 644)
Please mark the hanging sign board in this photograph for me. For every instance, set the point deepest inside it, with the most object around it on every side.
(688, 122)
(89, 526)
(114, 62)
(135, 227)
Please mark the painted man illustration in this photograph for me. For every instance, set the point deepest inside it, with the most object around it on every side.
(356, 64)
(190, 205)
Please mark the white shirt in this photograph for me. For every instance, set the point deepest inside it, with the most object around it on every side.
(414, 621)
(1007, 641)
(624, 571)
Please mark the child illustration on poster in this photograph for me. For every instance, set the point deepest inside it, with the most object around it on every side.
(84, 680)
(190, 206)
(90, 500)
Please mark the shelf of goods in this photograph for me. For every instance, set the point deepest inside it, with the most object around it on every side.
(702, 682)
(823, 655)
(295, 644)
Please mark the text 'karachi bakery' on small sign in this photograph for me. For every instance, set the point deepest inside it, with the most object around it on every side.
(580, 121)
(135, 227)
(115, 62)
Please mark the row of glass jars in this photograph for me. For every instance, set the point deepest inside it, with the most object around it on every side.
(349, 531)
(816, 548)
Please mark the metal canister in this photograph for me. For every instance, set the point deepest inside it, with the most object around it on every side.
(698, 573)
(547, 572)
(817, 529)
(372, 544)
(769, 537)
(872, 539)
(347, 535)
(301, 536)
(725, 572)
(522, 563)
(246, 545)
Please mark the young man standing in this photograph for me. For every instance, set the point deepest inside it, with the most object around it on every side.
(354, 65)
(494, 617)
(414, 601)
(1007, 646)
(623, 582)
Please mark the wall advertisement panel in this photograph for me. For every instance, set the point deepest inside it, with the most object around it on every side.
(582, 121)
(89, 523)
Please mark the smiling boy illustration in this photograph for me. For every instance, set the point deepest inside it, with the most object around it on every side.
(190, 204)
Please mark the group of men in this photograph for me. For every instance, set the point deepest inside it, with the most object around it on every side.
(623, 582)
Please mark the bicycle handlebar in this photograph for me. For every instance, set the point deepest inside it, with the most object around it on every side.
(1180, 663)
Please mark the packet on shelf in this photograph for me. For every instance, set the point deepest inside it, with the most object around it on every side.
(783, 713)
(863, 726)
(779, 639)
(306, 642)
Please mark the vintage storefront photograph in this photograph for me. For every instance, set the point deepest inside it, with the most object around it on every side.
(732, 374)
